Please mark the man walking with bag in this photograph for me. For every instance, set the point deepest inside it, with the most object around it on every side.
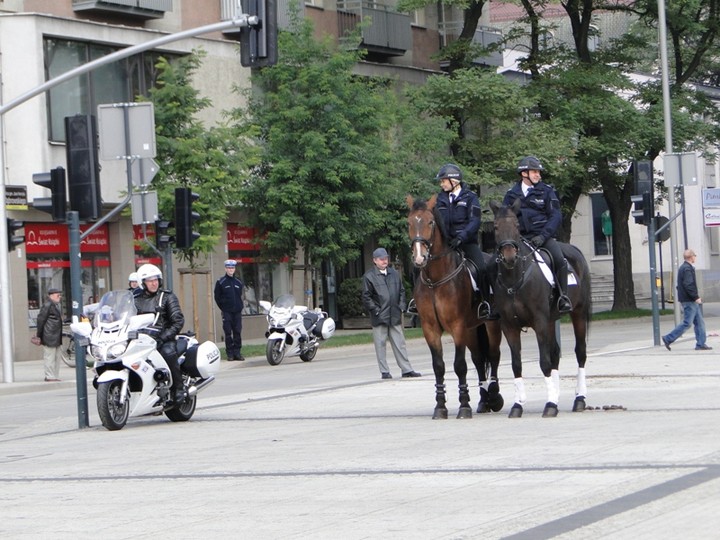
(49, 331)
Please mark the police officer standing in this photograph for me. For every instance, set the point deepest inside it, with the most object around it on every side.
(229, 298)
(540, 218)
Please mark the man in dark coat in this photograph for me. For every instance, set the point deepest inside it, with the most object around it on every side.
(689, 297)
(49, 330)
(383, 296)
(229, 298)
(169, 320)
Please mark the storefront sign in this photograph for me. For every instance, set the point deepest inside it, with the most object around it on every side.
(16, 198)
(241, 243)
(53, 238)
(711, 216)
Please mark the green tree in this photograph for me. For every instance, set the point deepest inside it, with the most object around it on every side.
(335, 153)
(209, 160)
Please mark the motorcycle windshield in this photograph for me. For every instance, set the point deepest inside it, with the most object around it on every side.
(114, 307)
(285, 301)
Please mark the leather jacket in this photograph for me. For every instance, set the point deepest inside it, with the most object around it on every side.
(170, 318)
(49, 324)
(383, 297)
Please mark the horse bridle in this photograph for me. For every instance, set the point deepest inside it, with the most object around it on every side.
(428, 244)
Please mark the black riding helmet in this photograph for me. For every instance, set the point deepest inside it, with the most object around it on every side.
(529, 163)
(450, 171)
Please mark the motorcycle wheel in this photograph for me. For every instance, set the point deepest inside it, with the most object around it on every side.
(184, 411)
(274, 352)
(308, 356)
(113, 415)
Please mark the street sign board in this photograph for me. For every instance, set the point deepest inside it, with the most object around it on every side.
(145, 207)
(126, 130)
(680, 169)
(143, 171)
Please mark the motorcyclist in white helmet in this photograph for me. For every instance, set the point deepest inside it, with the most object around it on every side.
(169, 320)
(133, 284)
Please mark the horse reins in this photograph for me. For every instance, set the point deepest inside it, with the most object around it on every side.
(430, 257)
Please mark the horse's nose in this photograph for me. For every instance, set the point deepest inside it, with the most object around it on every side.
(419, 260)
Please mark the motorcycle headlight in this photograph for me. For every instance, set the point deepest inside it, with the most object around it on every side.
(116, 350)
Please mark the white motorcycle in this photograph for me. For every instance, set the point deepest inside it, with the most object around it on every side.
(294, 330)
(132, 378)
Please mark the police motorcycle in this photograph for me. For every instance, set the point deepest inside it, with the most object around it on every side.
(294, 330)
(132, 378)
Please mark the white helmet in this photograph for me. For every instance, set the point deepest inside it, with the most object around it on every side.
(133, 277)
(148, 271)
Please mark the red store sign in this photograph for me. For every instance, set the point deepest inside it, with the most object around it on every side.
(46, 238)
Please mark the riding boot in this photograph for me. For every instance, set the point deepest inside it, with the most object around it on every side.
(485, 308)
(411, 307)
(564, 304)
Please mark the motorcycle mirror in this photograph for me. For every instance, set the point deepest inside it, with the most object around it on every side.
(83, 329)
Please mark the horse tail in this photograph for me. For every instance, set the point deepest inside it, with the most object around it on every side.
(582, 269)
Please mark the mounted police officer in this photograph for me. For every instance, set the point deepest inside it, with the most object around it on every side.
(540, 219)
(459, 208)
(169, 320)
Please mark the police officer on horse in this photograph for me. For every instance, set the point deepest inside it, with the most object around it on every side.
(540, 219)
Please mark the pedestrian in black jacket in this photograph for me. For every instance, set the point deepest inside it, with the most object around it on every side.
(49, 330)
(229, 298)
(383, 296)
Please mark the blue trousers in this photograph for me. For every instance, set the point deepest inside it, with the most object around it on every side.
(692, 315)
(232, 328)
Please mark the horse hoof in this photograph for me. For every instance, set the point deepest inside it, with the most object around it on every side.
(483, 407)
(579, 404)
(496, 403)
(516, 411)
(550, 411)
(440, 414)
(464, 413)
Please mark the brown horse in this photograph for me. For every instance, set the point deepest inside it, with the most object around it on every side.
(525, 298)
(444, 297)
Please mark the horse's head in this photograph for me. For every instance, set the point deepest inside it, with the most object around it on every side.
(422, 229)
(507, 231)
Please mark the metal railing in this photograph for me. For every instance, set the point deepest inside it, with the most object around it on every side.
(151, 5)
(387, 31)
(484, 35)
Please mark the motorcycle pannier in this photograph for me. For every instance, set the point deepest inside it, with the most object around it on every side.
(325, 328)
(202, 360)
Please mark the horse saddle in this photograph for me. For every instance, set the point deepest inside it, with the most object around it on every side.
(544, 260)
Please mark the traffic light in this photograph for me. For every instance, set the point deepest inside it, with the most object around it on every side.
(55, 205)
(13, 239)
(162, 237)
(258, 44)
(643, 208)
(83, 166)
(185, 217)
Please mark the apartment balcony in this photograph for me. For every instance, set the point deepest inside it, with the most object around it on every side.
(229, 10)
(450, 32)
(388, 32)
(140, 9)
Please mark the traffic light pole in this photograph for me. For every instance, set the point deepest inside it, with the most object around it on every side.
(7, 338)
(73, 220)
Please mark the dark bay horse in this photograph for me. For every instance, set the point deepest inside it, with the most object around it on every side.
(524, 298)
(443, 295)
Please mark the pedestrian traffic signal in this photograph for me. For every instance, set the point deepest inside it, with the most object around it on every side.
(55, 205)
(13, 239)
(258, 44)
(643, 208)
(83, 166)
(185, 217)
(162, 237)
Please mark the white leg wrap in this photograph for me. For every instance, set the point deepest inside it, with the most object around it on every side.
(553, 392)
(581, 388)
(485, 385)
(520, 396)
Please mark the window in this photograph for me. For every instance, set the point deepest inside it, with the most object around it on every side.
(417, 17)
(118, 82)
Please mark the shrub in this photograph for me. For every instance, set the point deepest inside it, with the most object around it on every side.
(350, 298)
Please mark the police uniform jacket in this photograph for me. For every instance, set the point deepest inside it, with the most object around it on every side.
(228, 294)
(170, 318)
(686, 284)
(49, 324)
(383, 296)
(539, 210)
(461, 218)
